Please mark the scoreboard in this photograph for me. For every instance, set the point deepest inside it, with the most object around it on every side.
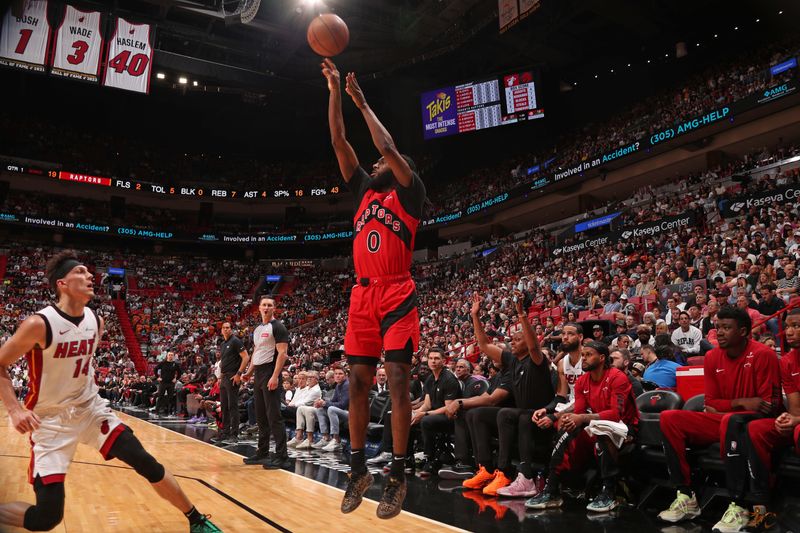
(478, 105)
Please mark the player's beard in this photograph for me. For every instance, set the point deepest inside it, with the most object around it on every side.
(382, 182)
(569, 348)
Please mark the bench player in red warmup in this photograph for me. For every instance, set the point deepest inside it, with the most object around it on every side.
(769, 436)
(63, 407)
(383, 304)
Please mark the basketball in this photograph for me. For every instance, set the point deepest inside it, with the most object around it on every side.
(328, 35)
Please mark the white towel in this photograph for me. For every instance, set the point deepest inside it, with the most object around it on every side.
(564, 406)
(616, 431)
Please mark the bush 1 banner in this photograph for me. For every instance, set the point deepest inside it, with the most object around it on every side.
(25, 40)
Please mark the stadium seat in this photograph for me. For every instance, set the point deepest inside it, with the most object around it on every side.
(695, 403)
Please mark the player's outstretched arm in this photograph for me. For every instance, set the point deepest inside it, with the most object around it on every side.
(31, 332)
(348, 161)
(531, 341)
(380, 135)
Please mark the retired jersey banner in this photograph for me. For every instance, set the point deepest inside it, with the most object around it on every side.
(507, 13)
(24, 40)
(78, 46)
(129, 58)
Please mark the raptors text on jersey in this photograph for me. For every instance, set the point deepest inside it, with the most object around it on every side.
(384, 226)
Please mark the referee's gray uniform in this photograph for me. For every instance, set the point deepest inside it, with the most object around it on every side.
(268, 402)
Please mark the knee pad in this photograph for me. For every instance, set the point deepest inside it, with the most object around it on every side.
(49, 509)
(129, 450)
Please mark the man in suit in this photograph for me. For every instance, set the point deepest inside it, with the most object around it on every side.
(382, 382)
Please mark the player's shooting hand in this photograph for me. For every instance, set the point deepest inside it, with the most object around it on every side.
(331, 74)
(476, 303)
(519, 303)
(354, 90)
(24, 420)
(273, 383)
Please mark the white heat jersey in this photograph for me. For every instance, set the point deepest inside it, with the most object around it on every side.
(62, 373)
(24, 40)
(129, 57)
(572, 372)
(78, 45)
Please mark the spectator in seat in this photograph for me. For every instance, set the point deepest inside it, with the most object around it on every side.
(333, 413)
(602, 394)
(621, 360)
(687, 337)
(441, 388)
(767, 305)
(644, 337)
(661, 368)
(789, 285)
(305, 415)
(767, 437)
(381, 381)
(742, 383)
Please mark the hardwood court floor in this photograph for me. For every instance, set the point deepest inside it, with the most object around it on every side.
(109, 496)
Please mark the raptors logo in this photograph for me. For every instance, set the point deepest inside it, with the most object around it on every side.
(104, 427)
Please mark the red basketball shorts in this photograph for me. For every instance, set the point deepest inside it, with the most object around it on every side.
(382, 317)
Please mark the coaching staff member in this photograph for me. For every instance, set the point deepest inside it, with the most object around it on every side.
(270, 347)
(232, 364)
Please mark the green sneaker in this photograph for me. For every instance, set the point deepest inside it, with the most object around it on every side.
(682, 508)
(204, 526)
(735, 519)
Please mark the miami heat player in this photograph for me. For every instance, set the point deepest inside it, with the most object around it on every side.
(383, 303)
(63, 407)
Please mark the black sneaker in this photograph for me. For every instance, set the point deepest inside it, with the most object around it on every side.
(278, 462)
(392, 498)
(604, 502)
(256, 459)
(459, 471)
(218, 439)
(411, 466)
(430, 468)
(357, 485)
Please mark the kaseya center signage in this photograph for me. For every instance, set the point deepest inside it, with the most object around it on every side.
(646, 230)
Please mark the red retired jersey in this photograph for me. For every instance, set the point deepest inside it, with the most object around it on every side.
(384, 226)
(790, 371)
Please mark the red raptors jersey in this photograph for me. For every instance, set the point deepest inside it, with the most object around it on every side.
(790, 372)
(384, 226)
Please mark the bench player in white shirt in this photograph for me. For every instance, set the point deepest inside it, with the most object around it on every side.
(63, 407)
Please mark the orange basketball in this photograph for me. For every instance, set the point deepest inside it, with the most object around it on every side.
(328, 35)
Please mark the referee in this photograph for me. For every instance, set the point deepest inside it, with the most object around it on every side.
(233, 362)
(270, 347)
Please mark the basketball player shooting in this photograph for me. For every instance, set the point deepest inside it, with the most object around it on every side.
(383, 304)
(63, 407)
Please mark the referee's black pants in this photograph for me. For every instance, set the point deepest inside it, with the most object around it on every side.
(229, 403)
(268, 412)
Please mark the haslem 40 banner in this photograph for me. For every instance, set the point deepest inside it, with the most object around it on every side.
(744, 203)
(648, 229)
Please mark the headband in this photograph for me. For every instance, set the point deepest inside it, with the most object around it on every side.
(64, 269)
